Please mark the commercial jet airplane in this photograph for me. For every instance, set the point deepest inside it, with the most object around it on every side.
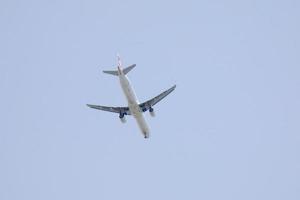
(134, 108)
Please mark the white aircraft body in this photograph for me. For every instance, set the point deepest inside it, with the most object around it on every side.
(134, 108)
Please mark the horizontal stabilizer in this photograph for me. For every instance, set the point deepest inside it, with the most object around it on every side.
(115, 72)
(112, 72)
(128, 69)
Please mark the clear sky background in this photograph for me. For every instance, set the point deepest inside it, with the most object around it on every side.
(230, 130)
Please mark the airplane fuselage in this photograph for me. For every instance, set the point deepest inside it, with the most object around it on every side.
(133, 103)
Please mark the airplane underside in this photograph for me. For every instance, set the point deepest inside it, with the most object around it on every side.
(134, 108)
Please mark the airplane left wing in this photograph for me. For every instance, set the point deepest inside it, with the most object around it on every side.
(120, 110)
(148, 104)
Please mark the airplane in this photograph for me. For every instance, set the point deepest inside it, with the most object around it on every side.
(134, 108)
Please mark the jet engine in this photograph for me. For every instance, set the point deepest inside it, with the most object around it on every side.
(151, 111)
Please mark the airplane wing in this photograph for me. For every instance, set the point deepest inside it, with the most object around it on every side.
(148, 104)
(122, 110)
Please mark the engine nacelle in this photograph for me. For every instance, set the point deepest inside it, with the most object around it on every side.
(151, 111)
(122, 117)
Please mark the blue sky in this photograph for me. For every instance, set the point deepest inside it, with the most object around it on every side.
(229, 131)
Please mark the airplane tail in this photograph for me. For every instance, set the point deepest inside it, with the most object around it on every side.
(125, 71)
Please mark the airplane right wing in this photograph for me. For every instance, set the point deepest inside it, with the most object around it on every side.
(148, 104)
(120, 110)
